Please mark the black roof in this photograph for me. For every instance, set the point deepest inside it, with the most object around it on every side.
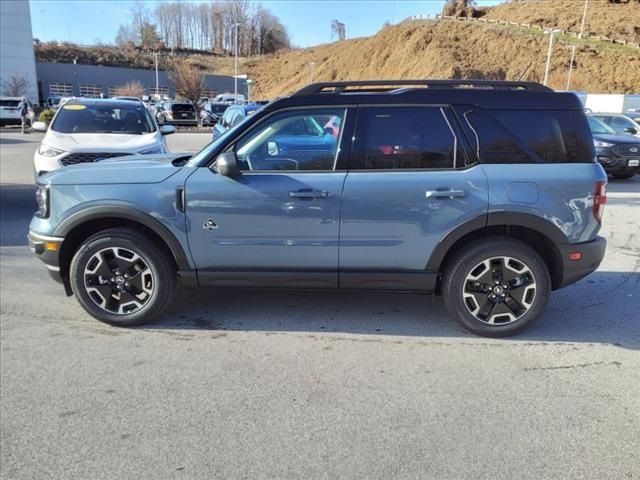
(481, 93)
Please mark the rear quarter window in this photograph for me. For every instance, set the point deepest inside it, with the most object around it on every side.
(530, 136)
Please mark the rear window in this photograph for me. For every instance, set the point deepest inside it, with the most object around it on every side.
(516, 136)
(181, 107)
(9, 103)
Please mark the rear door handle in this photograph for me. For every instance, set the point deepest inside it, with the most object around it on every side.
(445, 193)
(309, 194)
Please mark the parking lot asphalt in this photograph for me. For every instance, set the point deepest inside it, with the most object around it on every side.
(243, 384)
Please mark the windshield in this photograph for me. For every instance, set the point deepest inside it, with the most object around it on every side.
(118, 118)
(597, 126)
(9, 103)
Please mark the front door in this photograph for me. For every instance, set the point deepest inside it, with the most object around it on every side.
(408, 186)
(277, 224)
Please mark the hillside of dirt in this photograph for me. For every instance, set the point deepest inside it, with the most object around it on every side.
(604, 18)
(449, 49)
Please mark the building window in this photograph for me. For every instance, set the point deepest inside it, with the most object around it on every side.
(62, 89)
(94, 91)
(162, 90)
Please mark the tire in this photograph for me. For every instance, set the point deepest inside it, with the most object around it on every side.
(121, 278)
(623, 176)
(485, 308)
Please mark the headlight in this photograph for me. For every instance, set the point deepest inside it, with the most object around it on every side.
(600, 144)
(46, 151)
(42, 199)
(151, 151)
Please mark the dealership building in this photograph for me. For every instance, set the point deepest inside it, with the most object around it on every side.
(16, 46)
(68, 79)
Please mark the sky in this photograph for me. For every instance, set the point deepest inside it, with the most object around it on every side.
(308, 21)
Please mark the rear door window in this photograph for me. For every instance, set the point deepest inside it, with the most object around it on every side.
(396, 138)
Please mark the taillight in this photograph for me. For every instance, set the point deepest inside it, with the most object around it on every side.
(599, 200)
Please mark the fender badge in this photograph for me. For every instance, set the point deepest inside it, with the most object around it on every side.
(209, 225)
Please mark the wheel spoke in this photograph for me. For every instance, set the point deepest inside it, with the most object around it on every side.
(486, 310)
(514, 305)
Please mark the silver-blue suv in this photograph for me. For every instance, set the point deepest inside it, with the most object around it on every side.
(486, 193)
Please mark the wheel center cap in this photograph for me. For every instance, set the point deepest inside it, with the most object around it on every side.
(119, 279)
(497, 290)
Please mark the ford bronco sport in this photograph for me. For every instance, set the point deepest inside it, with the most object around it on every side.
(486, 193)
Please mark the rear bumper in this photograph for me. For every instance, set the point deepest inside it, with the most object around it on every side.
(592, 254)
(47, 249)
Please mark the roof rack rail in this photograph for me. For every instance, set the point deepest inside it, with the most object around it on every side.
(368, 86)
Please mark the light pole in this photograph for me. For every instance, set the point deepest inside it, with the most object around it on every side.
(548, 65)
(155, 56)
(312, 71)
(249, 83)
(235, 77)
(573, 48)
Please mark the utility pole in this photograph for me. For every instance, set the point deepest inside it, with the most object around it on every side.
(548, 65)
(312, 71)
(235, 77)
(155, 56)
(573, 48)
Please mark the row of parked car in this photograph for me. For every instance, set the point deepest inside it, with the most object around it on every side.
(88, 130)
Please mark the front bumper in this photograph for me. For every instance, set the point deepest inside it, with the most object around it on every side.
(47, 249)
(614, 163)
(592, 254)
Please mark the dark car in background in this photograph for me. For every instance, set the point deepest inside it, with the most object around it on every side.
(212, 112)
(622, 124)
(233, 115)
(619, 155)
(176, 113)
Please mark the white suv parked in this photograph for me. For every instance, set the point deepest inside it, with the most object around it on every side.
(88, 130)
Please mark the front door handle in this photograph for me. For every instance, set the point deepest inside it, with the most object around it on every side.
(451, 193)
(309, 194)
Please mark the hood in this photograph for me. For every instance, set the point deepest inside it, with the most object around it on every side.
(132, 169)
(616, 139)
(100, 142)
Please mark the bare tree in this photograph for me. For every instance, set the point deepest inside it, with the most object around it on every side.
(139, 19)
(130, 89)
(188, 82)
(15, 86)
(210, 26)
(125, 35)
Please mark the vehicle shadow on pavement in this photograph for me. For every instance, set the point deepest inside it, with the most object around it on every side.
(600, 309)
(11, 141)
(17, 205)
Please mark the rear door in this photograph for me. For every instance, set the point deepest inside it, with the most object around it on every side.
(408, 186)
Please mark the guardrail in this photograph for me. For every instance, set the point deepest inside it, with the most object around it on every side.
(585, 35)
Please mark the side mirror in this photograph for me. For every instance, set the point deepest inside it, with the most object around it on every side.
(39, 126)
(167, 129)
(227, 165)
(630, 130)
